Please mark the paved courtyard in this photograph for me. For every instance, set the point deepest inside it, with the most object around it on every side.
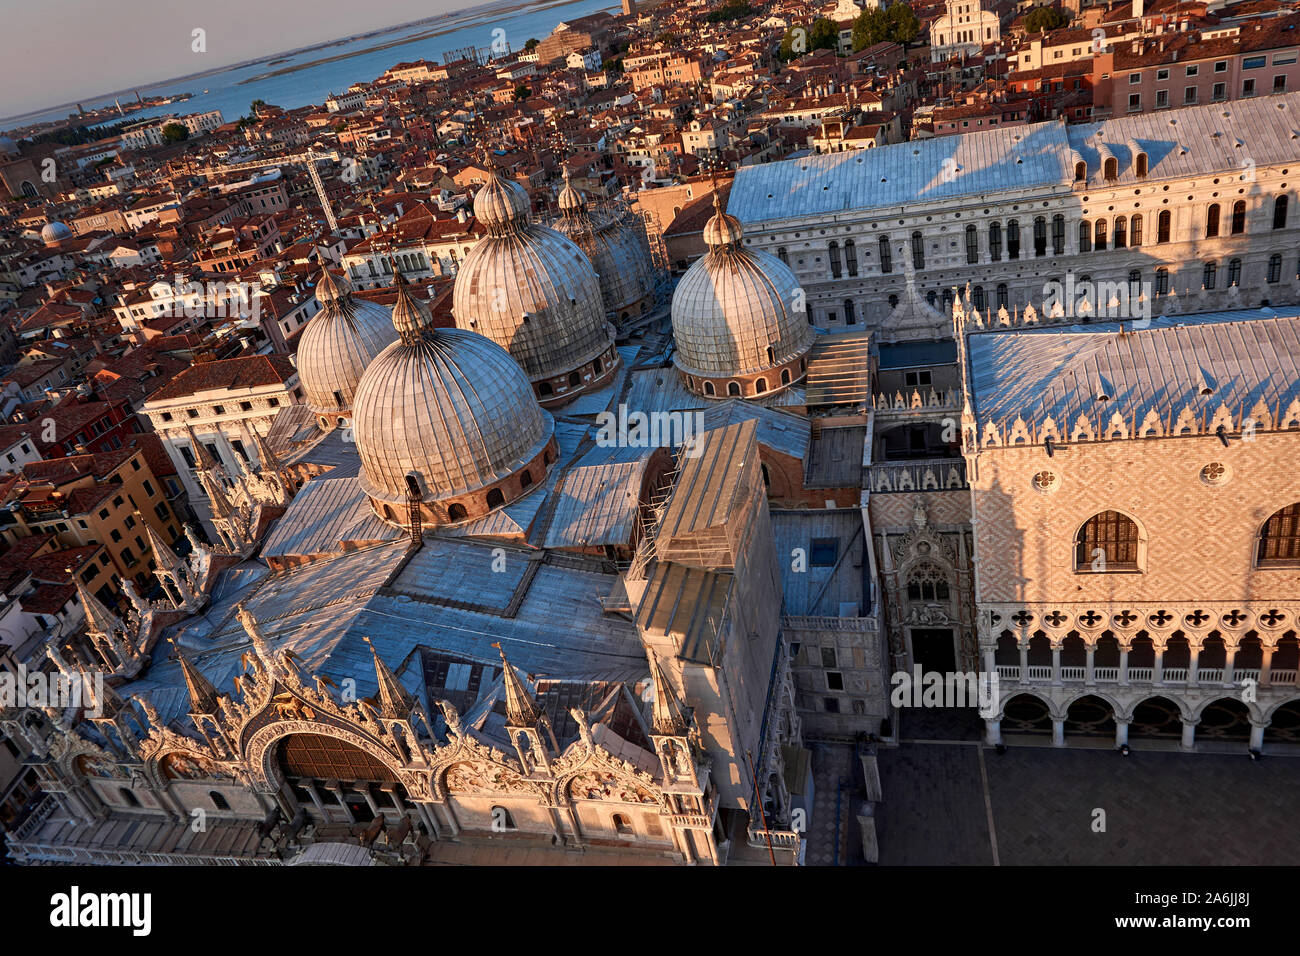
(1162, 808)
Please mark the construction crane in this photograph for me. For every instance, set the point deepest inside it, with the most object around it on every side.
(308, 159)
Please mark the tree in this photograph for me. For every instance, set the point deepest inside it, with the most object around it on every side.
(532, 42)
(175, 133)
(871, 27)
(522, 93)
(825, 34)
(903, 25)
(256, 106)
(340, 126)
(1041, 19)
(730, 10)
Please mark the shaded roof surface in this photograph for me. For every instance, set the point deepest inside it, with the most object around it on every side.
(1241, 357)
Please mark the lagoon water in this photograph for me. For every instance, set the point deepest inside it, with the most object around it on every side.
(228, 92)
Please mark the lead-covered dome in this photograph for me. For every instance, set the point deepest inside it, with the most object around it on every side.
(54, 232)
(534, 293)
(618, 251)
(739, 321)
(452, 410)
(338, 343)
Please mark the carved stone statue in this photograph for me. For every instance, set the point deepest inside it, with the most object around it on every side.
(452, 716)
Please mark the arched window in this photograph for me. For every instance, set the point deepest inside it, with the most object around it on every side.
(893, 299)
(1279, 212)
(457, 512)
(596, 365)
(995, 241)
(972, 245)
(1162, 282)
(623, 825)
(767, 478)
(947, 301)
(886, 260)
(1208, 275)
(1085, 236)
(1002, 295)
(932, 299)
(1110, 169)
(1140, 164)
(1279, 539)
(1239, 217)
(1058, 235)
(851, 256)
(785, 376)
(782, 254)
(1099, 235)
(1212, 221)
(1275, 267)
(733, 388)
(1135, 232)
(771, 354)
(1013, 239)
(760, 386)
(708, 389)
(574, 379)
(1121, 232)
(495, 498)
(544, 388)
(1107, 542)
(918, 251)
(1234, 272)
(980, 302)
(1040, 236)
(1080, 171)
(525, 479)
(218, 800)
(836, 267)
(1162, 226)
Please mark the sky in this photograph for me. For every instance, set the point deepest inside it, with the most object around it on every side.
(58, 51)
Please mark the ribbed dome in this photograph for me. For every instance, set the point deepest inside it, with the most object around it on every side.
(449, 405)
(338, 343)
(619, 254)
(530, 290)
(500, 203)
(734, 304)
(53, 232)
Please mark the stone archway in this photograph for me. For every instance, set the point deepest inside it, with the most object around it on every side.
(1157, 718)
(1026, 714)
(1090, 716)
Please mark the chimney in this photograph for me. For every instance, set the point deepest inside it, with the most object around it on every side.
(1138, 7)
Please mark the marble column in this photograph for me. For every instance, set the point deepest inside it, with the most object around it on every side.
(1266, 666)
(1189, 733)
(993, 732)
(1058, 731)
(1257, 734)
(1121, 732)
(1193, 662)
(1090, 676)
(1056, 664)
(1123, 665)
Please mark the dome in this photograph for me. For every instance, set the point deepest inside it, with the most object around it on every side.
(739, 321)
(500, 201)
(54, 232)
(534, 293)
(338, 343)
(618, 252)
(453, 409)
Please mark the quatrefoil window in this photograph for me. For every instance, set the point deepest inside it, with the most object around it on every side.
(1215, 473)
(1046, 481)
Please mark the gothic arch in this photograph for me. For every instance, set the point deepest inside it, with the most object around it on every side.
(264, 772)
